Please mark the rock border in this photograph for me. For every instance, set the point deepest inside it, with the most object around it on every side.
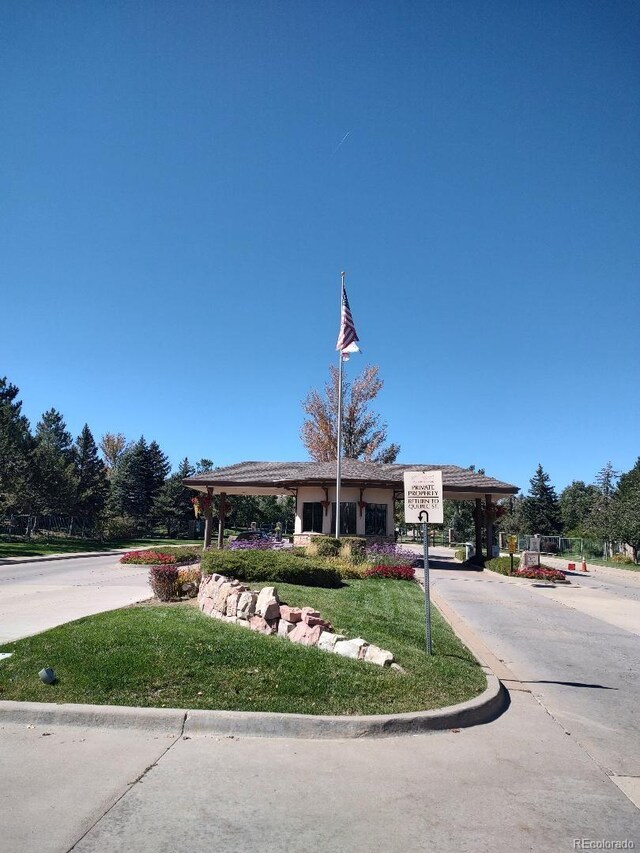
(232, 601)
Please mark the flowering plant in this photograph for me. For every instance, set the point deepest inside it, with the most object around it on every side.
(541, 573)
(390, 554)
(253, 545)
(398, 573)
(146, 558)
(201, 503)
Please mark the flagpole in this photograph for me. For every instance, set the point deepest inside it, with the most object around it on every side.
(339, 442)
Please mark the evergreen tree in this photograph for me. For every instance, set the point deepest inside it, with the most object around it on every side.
(458, 516)
(541, 509)
(91, 483)
(172, 505)
(603, 521)
(16, 447)
(137, 481)
(54, 474)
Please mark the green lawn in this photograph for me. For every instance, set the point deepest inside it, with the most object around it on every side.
(72, 545)
(174, 656)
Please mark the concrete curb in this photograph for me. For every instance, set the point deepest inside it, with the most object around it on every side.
(94, 716)
(481, 709)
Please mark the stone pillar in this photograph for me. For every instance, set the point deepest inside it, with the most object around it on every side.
(489, 516)
(222, 510)
(208, 524)
(477, 518)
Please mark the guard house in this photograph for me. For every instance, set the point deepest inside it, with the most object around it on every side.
(368, 492)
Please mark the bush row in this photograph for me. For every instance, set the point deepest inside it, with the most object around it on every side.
(502, 565)
(283, 566)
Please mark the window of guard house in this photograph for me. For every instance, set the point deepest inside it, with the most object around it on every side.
(375, 520)
(347, 518)
(312, 517)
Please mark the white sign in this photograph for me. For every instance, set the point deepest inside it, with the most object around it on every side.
(423, 491)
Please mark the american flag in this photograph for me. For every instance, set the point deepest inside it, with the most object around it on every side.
(347, 336)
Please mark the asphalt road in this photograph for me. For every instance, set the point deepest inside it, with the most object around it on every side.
(577, 648)
(39, 595)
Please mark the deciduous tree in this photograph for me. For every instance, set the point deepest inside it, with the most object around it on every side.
(363, 432)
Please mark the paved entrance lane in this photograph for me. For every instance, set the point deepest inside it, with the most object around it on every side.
(40, 595)
(583, 669)
(518, 783)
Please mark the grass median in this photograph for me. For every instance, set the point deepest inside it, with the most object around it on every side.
(174, 656)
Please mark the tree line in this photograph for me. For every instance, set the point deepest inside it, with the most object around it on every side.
(116, 488)
(607, 510)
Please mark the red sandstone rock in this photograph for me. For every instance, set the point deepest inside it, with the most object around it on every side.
(305, 635)
(291, 614)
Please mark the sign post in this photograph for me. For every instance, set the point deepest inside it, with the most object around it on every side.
(512, 541)
(423, 504)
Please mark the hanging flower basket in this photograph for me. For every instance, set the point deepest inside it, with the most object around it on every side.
(201, 504)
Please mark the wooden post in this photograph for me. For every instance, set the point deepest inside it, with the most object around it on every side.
(208, 523)
(477, 518)
(222, 509)
(488, 505)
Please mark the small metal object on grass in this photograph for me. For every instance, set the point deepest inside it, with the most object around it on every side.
(47, 675)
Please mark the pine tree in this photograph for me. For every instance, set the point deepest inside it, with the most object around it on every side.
(172, 505)
(137, 481)
(91, 483)
(541, 509)
(16, 447)
(53, 466)
(603, 521)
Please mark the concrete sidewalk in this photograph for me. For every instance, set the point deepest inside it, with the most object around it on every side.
(517, 783)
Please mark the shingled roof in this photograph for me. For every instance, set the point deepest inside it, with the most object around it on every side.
(284, 477)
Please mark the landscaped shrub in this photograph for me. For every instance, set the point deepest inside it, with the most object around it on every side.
(119, 528)
(323, 546)
(353, 548)
(502, 565)
(461, 554)
(398, 573)
(625, 559)
(188, 580)
(282, 566)
(164, 582)
(162, 556)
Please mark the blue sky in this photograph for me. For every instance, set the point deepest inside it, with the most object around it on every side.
(177, 208)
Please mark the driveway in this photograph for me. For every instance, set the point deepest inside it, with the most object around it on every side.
(576, 648)
(39, 595)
